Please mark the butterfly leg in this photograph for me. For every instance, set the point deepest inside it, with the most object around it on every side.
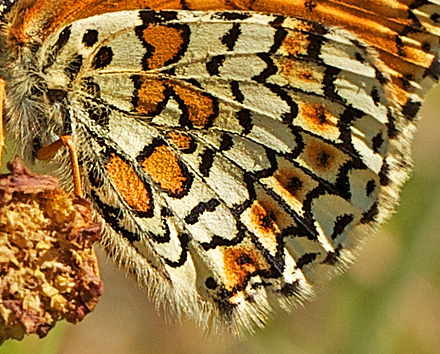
(2, 133)
(48, 151)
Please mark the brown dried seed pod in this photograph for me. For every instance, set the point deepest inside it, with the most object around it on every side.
(48, 268)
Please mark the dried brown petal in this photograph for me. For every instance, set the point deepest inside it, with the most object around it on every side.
(48, 268)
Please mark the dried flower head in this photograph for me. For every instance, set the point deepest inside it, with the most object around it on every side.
(48, 268)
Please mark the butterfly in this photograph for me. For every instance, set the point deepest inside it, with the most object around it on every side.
(237, 153)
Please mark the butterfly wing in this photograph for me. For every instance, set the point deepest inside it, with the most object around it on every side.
(236, 159)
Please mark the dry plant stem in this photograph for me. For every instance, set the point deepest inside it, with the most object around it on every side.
(49, 151)
(2, 133)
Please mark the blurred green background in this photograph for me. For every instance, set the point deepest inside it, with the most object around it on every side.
(389, 302)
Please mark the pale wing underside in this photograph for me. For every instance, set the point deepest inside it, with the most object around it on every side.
(237, 159)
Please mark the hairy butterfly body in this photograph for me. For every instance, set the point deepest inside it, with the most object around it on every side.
(237, 154)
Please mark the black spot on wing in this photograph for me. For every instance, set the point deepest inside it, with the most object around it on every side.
(194, 216)
(377, 142)
(380, 76)
(90, 38)
(330, 76)
(371, 186)
(306, 259)
(235, 88)
(226, 142)
(411, 108)
(95, 178)
(103, 58)
(332, 257)
(340, 224)
(359, 57)
(245, 120)
(230, 38)
(384, 178)
(233, 16)
(279, 36)
(370, 215)
(434, 69)
(391, 125)
(310, 5)
(375, 96)
(149, 17)
(426, 47)
(435, 17)
(213, 66)
(291, 289)
(211, 283)
(63, 38)
(207, 158)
